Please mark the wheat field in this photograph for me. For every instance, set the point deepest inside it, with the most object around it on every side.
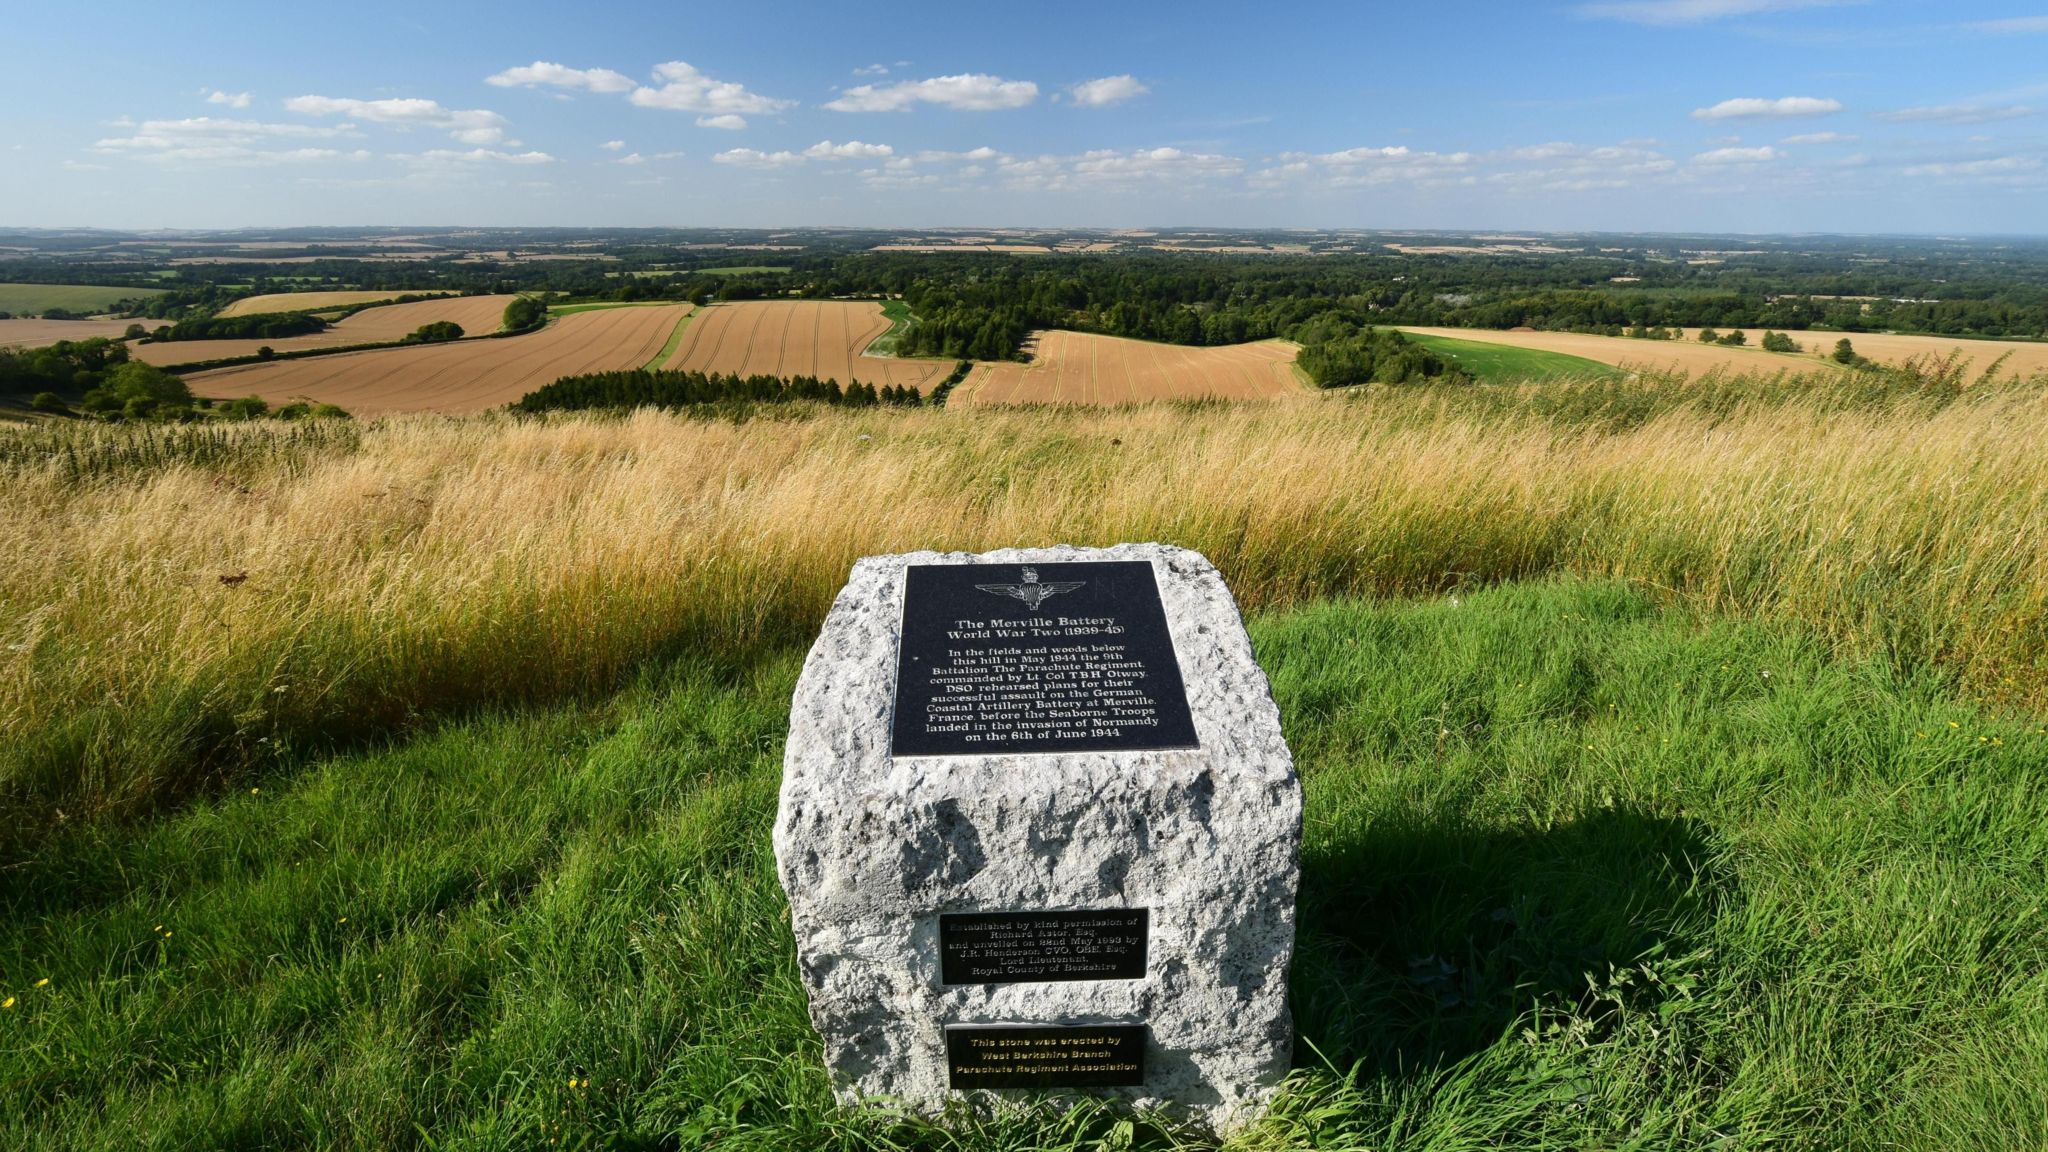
(170, 617)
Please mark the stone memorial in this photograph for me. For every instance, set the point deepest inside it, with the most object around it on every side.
(1040, 834)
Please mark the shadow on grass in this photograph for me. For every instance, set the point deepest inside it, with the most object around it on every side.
(1422, 945)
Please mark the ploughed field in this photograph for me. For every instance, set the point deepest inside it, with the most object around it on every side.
(37, 333)
(309, 301)
(463, 376)
(1082, 368)
(478, 315)
(1689, 355)
(827, 339)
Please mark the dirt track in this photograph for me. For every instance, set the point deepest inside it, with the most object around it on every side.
(1079, 368)
(465, 376)
(478, 315)
(821, 338)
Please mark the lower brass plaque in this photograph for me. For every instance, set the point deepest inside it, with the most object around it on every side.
(1045, 1056)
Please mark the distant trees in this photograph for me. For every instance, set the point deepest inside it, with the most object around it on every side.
(138, 391)
(1845, 354)
(525, 312)
(664, 389)
(66, 368)
(1779, 342)
(261, 326)
(434, 333)
(1336, 354)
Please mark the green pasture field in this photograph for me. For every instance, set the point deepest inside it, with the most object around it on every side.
(35, 299)
(572, 309)
(1501, 363)
(743, 269)
(1580, 870)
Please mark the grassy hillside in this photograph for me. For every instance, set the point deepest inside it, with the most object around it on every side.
(1500, 363)
(35, 299)
(183, 607)
(1580, 871)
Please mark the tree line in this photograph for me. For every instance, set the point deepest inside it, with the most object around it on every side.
(682, 389)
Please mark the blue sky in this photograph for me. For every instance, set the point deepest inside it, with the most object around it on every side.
(1664, 115)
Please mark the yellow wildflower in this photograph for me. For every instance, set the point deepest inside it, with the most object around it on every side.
(7, 1003)
(43, 983)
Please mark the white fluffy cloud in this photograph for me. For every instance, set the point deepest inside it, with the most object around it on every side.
(1738, 155)
(1366, 167)
(1758, 108)
(612, 145)
(473, 156)
(469, 126)
(238, 143)
(968, 92)
(684, 89)
(152, 134)
(728, 121)
(541, 73)
(1819, 138)
(1146, 164)
(851, 150)
(1955, 114)
(1106, 91)
(1998, 166)
(755, 158)
(230, 99)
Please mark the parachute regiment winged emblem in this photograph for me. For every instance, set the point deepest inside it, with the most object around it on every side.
(1031, 592)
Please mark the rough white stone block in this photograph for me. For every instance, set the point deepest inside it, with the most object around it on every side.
(873, 848)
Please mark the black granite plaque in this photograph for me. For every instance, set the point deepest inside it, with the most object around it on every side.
(999, 658)
(1020, 947)
(1045, 1056)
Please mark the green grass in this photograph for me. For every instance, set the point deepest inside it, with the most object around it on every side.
(675, 337)
(1501, 363)
(35, 299)
(1578, 871)
(740, 269)
(897, 313)
(572, 309)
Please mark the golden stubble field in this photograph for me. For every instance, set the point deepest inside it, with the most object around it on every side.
(827, 339)
(460, 377)
(1081, 368)
(1689, 355)
(478, 315)
(37, 333)
(310, 301)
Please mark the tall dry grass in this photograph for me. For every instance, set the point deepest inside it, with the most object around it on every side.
(164, 624)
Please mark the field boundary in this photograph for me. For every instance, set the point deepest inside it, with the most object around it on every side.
(883, 346)
(675, 338)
